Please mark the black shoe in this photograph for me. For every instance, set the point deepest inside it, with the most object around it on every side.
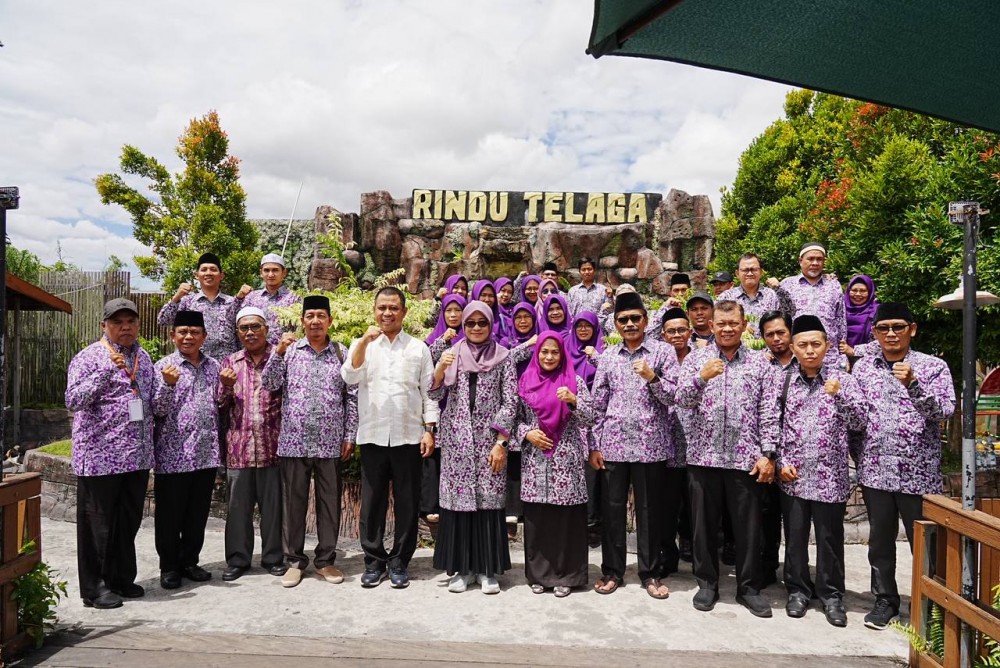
(277, 570)
(130, 590)
(685, 550)
(105, 601)
(881, 614)
(196, 574)
(372, 578)
(170, 579)
(705, 599)
(234, 573)
(835, 613)
(797, 605)
(729, 554)
(399, 578)
(755, 603)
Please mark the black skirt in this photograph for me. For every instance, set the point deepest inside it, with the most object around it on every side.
(555, 545)
(472, 542)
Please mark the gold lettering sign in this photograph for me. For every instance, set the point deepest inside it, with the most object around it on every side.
(508, 208)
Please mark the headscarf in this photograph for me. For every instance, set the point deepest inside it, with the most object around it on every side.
(475, 357)
(543, 323)
(524, 283)
(499, 285)
(451, 281)
(860, 318)
(537, 389)
(499, 326)
(575, 345)
(541, 299)
(516, 338)
(441, 327)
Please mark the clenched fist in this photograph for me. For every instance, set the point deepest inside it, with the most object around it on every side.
(372, 333)
(228, 377)
(118, 360)
(287, 339)
(645, 371)
(564, 394)
(904, 373)
(446, 360)
(831, 386)
(713, 367)
(171, 374)
(244, 291)
(183, 290)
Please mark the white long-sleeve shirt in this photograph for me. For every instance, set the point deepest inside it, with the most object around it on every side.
(393, 383)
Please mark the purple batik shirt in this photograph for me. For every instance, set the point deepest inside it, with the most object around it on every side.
(220, 320)
(268, 302)
(765, 300)
(187, 419)
(105, 441)
(319, 410)
(557, 479)
(901, 449)
(254, 414)
(582, 298)
(723, 431)
(634, 414)
(814, 436)
(680, 425)
(825, 300)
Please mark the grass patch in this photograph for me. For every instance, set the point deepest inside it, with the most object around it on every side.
(60, 448)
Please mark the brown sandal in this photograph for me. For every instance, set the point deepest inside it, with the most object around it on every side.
(653, 586)
(608, 584)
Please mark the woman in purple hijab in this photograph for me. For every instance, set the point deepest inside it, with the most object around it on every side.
(584, 337)
(555, 315)
(529, 288)
(484, 291)
(473, 434)
(505, 295)
(553, 413)
(447, 321)
(860, 306)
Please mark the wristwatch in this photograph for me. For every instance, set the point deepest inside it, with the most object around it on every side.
(430, 428)
(772, 455)
(502, 443)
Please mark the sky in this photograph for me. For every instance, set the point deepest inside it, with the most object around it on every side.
(346, 98)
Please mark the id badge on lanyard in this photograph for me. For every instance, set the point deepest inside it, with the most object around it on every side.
(135, 409)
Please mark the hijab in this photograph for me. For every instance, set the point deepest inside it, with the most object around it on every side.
(537, 389)
(475, 357)
(574, 346)
(543, 323)
(540, 304)
(516, 338)
(441, 327)
(524, 283)
(499, 323)
(452, 281)
(860, 318)
(499, 285)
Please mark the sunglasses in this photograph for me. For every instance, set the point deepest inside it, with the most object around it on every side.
(253, 327)
(635, 318)
(472, 324)
(895, 329)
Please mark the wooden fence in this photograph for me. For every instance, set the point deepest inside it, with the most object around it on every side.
(49, 340)
(21, 517)
(946, 521)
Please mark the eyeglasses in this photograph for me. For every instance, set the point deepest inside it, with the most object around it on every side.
(252, 327)
(472, 324)
(750, 270)
(895, 329)
(635, 318)
(676, 332)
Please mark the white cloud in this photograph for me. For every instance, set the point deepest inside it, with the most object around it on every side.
(347, 97)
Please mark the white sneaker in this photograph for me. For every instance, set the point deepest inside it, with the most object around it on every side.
(459, 583)
(489, 585)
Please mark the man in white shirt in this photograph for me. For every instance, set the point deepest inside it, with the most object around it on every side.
(396, 425)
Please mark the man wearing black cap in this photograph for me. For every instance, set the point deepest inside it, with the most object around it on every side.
(319, 422)
(680, 285)
(219, 309)
(550, 271)
(805, 417)
(633, 389)
(721, 281)
(700, 308)
(909, 394)
(110, 390)
(187, 450)
(756, 299)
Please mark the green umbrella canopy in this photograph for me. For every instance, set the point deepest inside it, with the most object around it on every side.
(936, 57)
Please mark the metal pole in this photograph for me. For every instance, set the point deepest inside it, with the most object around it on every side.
(3, 334)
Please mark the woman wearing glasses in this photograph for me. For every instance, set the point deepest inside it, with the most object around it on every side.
(474, 431)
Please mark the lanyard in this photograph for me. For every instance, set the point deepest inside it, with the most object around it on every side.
(135, 367)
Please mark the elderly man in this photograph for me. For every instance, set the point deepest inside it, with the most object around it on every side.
(633, 390)
(587, 295)
(755, 299)
(187, 450)
(319, 420)
(720, 383)
(909, 394)
(393, 373)
(812, 293)
(252, 475)
(273, 295)
(110, 390)
(219, 309)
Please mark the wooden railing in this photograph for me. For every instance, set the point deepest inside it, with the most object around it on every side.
(21, 517)
(946, 521)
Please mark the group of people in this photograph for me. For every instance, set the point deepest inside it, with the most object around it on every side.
(516, 406)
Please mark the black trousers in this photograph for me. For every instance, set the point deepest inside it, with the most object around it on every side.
(828, 521)
(512, 501)
(182, 504)
(648, 482)
(594, 495)
(675, 479)
(402, 466)
(770, 527)
(108, 515)
(885, 509)
(296, 473)
(430, 485)
(712, 489)
(248, 489)
(684, 511)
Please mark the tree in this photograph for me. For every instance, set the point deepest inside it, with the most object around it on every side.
(61, 264)
(114, 263)
(874, 184)
(200, 209)
(24, 264)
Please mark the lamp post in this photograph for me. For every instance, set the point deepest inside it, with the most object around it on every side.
(10, 198)
(967, 298)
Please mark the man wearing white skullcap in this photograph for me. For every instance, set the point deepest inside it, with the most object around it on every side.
(273, 295)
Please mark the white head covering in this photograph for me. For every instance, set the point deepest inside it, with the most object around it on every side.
(273, 258)
(250, 310)
(623, 288)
